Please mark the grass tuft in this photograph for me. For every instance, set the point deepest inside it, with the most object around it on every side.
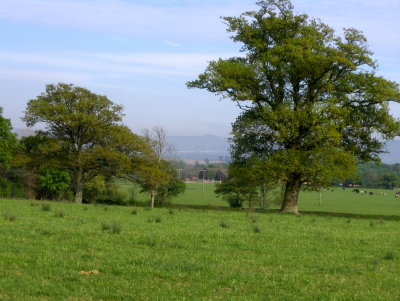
(157, 219)
(46, 207)
(10, 217)
(389, 256)
(34, 204)
(256, 229)
(60, 213)
(223, 224)
(114, 228)
(134, 211)
(105, 226)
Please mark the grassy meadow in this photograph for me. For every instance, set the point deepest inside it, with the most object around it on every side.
(332, 200)
(64, 251)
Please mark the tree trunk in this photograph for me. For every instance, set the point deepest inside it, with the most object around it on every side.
(78, 186)
(153, 196)
(291, 196)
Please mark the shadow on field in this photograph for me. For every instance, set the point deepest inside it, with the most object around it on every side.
(318, 213)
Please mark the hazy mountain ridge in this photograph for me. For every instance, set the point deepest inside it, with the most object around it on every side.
(214, 147)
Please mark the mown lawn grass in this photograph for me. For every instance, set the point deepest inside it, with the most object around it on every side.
(161, 254)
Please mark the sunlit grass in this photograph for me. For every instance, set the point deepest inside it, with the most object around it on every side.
(189, 254)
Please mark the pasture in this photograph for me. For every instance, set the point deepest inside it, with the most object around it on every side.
(64, 251)
(339, 200)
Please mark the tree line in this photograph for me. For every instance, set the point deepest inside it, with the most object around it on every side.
(83, 148)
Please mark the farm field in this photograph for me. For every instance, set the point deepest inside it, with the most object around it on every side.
(339, 200)
(87, 252)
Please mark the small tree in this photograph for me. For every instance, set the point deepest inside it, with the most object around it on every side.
(157, 174)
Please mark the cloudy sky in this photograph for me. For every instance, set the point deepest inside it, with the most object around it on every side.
(140, 53)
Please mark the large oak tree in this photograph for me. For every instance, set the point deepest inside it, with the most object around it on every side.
(312, 102)
(83, 134)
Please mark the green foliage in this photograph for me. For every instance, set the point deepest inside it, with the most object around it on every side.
(8, 141)
(94, 189)
(52, 182)
(312, 101)
(382, 175)
(84, 134)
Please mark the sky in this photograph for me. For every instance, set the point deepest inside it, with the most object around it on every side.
(140, 53)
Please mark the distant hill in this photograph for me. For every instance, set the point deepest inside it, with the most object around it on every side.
(213, 147)
(200, 147)
(216, 148)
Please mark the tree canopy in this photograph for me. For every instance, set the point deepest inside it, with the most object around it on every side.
(8, 141)
(312, 102)
(83, 133)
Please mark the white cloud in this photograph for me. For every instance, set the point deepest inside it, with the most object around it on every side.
(199, 20)
(173, 44)
(108, 65)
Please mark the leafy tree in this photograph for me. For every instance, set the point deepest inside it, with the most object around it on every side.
(312, 103)
(157, 175)
(389, 181)
(172, 188)
(235, 191)
(8, 141)
(84, 133)
(53, 182)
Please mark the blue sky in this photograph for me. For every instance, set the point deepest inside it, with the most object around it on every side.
(141, 53)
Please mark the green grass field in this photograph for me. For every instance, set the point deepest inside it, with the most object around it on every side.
(339, 200)
(87, 252)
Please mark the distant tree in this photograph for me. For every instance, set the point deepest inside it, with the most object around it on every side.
(220, 175)
(172, 188)
(235, 192)
(84, 133)
(312, 103)
(158, 175)
(389, 181)
(8, 141)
